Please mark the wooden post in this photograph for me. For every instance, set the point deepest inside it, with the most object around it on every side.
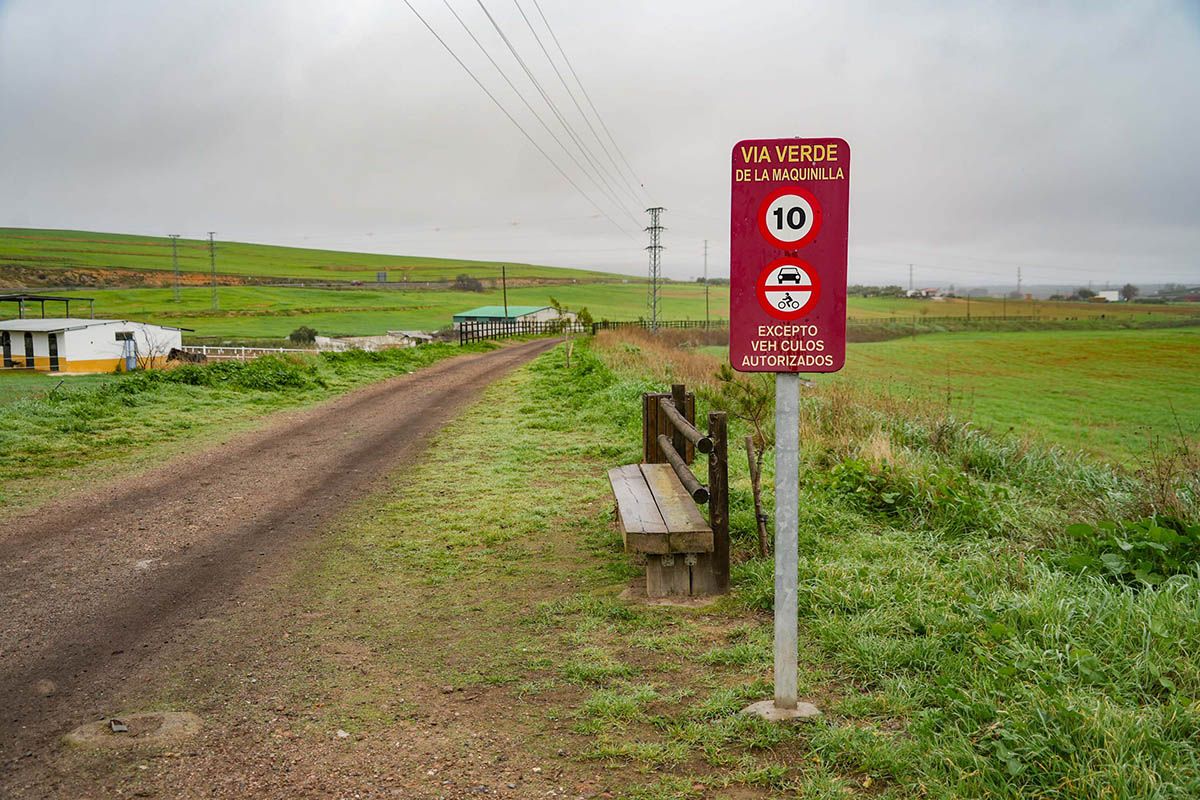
(718, 498)
(650, 428)
(679, 399)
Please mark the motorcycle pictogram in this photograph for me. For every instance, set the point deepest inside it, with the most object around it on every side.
(788, 303)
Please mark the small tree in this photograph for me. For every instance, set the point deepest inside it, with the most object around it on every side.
(465, 283)
(154, 355)
(1129, 291)
(751, 398)
(303, 335)
(1084, 293)
(564, 324)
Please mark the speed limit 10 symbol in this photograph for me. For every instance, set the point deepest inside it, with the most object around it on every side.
(789, 217)
(788, 288)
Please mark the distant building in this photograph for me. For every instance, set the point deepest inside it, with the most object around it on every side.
(392, 339)
(1107, 296)
(923, 293)
(514, 314)
(85, 345)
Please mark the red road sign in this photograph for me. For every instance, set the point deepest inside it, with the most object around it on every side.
(788, 288)
(788, 236)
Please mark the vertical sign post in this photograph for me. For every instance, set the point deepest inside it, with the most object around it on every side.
(788, 239)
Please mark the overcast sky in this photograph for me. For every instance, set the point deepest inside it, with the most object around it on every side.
(1061, 137)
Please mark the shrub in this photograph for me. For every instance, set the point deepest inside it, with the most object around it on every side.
(1145, 551)
(303, 335)
(465, 283)
(265, 374)
(947, 500)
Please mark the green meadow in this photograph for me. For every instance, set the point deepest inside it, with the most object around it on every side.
(872, 308)
(261, 311)
(61, 250)
(275, 311)
(1107, 392)
(1117, 394)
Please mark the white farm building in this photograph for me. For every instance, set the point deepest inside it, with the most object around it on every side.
(85, 345)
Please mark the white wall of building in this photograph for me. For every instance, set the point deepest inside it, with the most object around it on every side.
(99, 342)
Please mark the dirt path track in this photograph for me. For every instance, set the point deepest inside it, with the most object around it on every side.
(104, 579)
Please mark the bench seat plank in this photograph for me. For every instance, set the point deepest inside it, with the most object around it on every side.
(686, 529)
(656, 513)
(678, 510)
(642, 525)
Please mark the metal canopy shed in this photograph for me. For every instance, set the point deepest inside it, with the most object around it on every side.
(22, 299)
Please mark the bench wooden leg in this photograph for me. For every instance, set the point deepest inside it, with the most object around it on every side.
(704, 576)
(672, 576)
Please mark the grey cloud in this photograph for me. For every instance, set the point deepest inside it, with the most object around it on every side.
(1061, 136)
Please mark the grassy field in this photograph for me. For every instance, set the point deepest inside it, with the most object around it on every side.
(962, 641)
(867, 308)
(250, 311)
(1110, 393)
(954, 634)
(61, 250)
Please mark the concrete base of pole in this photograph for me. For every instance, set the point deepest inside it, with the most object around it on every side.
(773, 713)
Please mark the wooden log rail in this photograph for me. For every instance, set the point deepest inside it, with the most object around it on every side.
(670, 436)
(697, 490)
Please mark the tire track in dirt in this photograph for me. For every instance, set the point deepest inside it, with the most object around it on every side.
(95, 583)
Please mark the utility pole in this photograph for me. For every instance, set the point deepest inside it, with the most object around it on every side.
(655, 230)
(910, 281)
(706, 283)
(212, 260)
(1019, 295)
(175, 261)
(504, 284)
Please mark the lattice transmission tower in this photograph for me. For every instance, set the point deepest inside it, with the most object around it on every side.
(655, 248)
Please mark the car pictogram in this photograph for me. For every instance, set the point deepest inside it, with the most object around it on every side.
(790, 275)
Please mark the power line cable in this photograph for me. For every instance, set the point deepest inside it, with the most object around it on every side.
(536, 116)
(570, 93)
(571, 133)
(592, 105)
(513, 119)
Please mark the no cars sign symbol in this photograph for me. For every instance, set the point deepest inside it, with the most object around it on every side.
(788, 288)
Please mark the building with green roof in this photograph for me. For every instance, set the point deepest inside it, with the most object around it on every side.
(513, 314)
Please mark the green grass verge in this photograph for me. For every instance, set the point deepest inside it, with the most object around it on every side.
(955, 649)
(49, 432)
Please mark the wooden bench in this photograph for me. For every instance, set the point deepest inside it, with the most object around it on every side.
(657, 500)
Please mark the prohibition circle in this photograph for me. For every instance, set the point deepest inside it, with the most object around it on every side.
(788, 288)
(789, 217)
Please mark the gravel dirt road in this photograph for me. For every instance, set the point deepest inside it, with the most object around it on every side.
(95, 583)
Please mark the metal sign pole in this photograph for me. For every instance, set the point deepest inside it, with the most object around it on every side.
(788, 236)
(787, 500)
